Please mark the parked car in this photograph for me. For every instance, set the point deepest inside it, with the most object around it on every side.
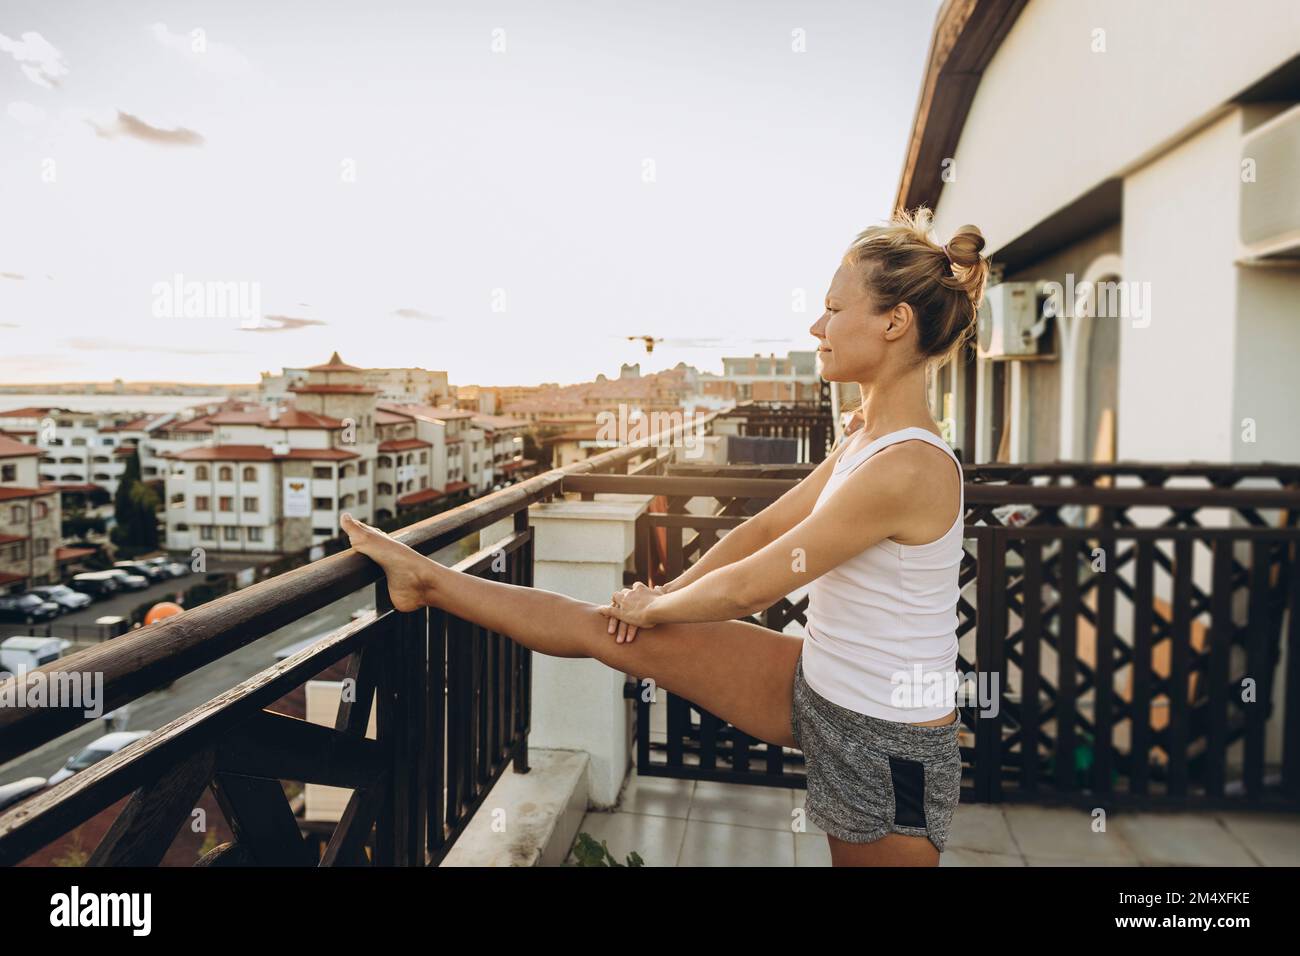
(150, 572)
(172, 569)
(21, 653)
(129, 581)
(27, 608)
(11, 793)
(98, 584)
(96, 751)
(63, 596)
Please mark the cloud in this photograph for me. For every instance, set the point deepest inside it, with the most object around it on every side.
(199, 50)
(136, 128)
(417, 314)
(41, 62)
(91, 344)
(283, 323)
(26, 113)
(12, 275)
(10, 325)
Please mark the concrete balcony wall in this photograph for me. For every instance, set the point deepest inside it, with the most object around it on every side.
(581, 549)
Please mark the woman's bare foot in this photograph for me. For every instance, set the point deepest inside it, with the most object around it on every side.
(410, 581)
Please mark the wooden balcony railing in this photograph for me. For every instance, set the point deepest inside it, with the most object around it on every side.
(453, 709)
(1130, 634)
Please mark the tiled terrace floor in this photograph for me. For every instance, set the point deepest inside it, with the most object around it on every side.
(688, 823)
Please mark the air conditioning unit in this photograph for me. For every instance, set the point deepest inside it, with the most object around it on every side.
(1005, 323)
(1270, 192)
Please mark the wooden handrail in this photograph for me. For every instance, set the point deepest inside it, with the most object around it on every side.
(153, 656)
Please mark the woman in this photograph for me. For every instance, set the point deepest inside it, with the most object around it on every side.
(875, 532)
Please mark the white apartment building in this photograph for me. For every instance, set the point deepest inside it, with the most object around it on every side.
(274, 476)
(275, 479)
(409, 386)
(79, 449)
(30, 520)
(411, 467)
(503, 436)
(467, 454)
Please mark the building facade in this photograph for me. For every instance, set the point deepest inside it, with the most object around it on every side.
(30, 519)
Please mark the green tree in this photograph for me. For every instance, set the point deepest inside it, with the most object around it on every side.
(135, 506)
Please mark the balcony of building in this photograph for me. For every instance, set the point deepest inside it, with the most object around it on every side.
(1152, 684)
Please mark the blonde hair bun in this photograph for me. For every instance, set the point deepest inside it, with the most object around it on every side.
(965, 245)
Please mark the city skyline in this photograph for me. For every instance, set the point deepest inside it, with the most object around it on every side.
(499, 195)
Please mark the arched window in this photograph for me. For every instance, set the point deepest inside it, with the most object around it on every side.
(225, 473)
(385, 461)
(383, 488)
(201, 473)
(250, 473)
(17, 513)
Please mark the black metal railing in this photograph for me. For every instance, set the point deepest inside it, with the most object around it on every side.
(1115, 630)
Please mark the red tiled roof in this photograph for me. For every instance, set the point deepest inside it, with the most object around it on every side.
(335, 364)
(441, 413)
(455, 486)
(11, 538)
(333, 389)
(402, 444)
(72, 554)
(419, 497)
(13, 448)
(385, 417)
(134, 425)
(11, 492)
(499, 421)
(289, 418)
(199, 424)
(30, 411)
(320, 454)
(578, 434)
(49, 487)
(513, 465)
(7, 578)
(260, 453)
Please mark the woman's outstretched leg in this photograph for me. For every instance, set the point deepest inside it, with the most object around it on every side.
(737, 671)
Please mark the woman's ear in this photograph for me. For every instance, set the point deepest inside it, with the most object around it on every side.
(900, 319)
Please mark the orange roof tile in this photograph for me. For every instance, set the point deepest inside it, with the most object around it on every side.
(419, 497)
(12, 448)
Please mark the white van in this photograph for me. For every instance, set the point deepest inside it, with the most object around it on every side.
(20, 654)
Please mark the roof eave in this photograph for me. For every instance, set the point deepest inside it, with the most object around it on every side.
(967, 33)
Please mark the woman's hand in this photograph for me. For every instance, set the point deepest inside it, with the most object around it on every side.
(628, 610)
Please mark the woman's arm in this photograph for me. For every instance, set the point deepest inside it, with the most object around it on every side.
(887, 495)
(763, 528)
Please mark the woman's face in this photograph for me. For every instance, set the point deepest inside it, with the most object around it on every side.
(851, 337)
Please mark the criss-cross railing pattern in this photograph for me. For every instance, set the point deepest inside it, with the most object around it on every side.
(1114, 628)
(1151, 614)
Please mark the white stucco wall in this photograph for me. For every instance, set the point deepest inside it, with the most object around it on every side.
(1176, 380)
(1052, 119)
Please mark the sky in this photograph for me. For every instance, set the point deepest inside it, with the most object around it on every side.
(200, 192)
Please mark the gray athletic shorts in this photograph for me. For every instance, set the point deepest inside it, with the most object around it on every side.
(869, 777)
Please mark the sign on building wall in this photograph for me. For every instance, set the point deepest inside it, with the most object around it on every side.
(297, 498)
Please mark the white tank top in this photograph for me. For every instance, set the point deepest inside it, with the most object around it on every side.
(882, 626)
